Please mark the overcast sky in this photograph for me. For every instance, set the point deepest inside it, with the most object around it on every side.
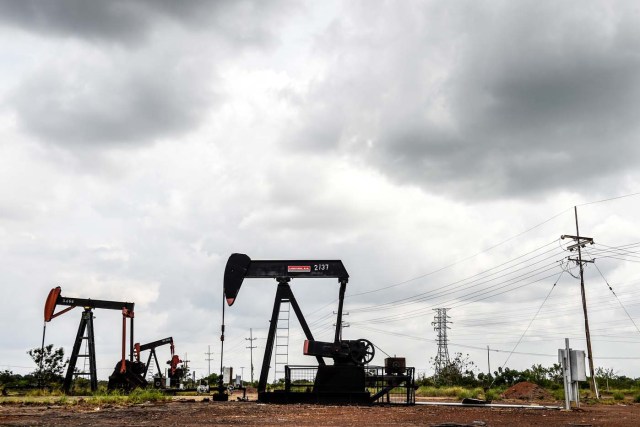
(437, 148)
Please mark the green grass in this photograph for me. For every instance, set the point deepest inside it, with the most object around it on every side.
(558, 394)
(146, 395)
(457, 392)
(99, 398)
(492, 395)
(46, 393)
(430, 391)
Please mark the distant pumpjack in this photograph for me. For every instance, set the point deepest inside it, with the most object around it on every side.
(175, 373)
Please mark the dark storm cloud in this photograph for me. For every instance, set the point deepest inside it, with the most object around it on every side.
(128, 76)
(112, 103)
(485, 100)
(129, 20)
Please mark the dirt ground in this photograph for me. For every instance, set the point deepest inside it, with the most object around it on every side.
(196, 412)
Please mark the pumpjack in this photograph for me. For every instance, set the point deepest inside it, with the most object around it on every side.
(345, 381)
(175, 372)
(126, 371)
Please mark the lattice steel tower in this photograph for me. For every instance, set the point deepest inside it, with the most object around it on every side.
(440, 321)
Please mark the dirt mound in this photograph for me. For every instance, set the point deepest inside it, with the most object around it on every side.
(527, 391)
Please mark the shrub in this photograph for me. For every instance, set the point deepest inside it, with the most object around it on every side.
(63, 400)
(558, 394)
(44, 392)
(618, 396)
(107, 398)
(440, 391)
(464, 394)
(491, 395)
(149, 395)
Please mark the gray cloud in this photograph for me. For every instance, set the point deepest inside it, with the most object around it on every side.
(129, 73)
(487, 103)
(130, 21)
(110, 102)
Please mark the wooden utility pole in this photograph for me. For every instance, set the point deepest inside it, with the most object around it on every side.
(580, 243)
(488, 360)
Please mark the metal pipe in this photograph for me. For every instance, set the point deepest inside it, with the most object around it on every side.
(131, 339)
(123, 366)
(338, 335)
(488, 405)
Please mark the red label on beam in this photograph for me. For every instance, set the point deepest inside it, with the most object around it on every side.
(299, 269)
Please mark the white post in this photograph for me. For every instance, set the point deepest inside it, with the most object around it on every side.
(566, 362)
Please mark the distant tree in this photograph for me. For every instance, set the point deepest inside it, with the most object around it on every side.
(555, 374)
(544, 377)
(507, 376)
(459, 371)
(50, 364)
(212, 379)
(537, 374)
(606, 375)
(6, 377)
(9, 379)
(424, 380)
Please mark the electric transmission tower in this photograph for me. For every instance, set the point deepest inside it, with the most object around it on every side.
(251, 347)
(440, 321)
(209, 359)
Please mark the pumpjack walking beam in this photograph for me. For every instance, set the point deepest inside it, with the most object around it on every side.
(240, 266)
(55, 299)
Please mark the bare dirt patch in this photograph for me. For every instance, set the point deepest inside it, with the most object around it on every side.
(195, 412)
(527, 391)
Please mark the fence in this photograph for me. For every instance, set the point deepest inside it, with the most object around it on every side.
(385, 388)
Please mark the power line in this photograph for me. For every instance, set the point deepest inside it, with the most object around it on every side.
(531, 322)
(420, 311)
(464, 259)
(460, 283)
(618, 299)
(610, 199)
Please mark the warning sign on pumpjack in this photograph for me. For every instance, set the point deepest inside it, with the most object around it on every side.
(299, 269)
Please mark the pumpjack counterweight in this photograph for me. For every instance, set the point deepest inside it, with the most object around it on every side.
(345, 381)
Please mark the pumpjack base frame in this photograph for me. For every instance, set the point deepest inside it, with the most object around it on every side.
(345, 385)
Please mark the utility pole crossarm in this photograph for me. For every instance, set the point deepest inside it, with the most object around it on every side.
(584, 260)
(569, 236)
(581, 242)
